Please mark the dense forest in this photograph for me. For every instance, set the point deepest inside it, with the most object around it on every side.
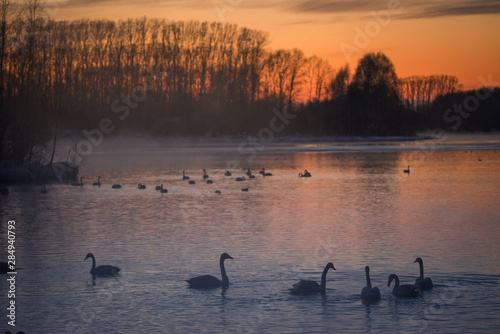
(198, 78)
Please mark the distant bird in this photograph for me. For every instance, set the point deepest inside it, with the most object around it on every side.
(98, 183)
(184, 177)
(217, 192)
(78, 184)
(479, 159)
(308, 287)
(192, 182)
(402, 291)
(4, 190)
(421, 282)
(263, 172)
(159, 187)
(141, 186)
(368, 293)
(116, 186)
(105, 270)
(228, 173)
(163, 190)
(210, 182)
(4, 267)
(208, 281)
(244, 189)
(305, 174)
(239, 179)
(44, 190)
(205, 175)
(407, 171)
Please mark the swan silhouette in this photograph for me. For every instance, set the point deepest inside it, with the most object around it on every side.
(98, 183)
(192, 182)
(421, 282)
(239, 179)
(308, 287)
(368, 293)
(205, 176)
(105, 270)
(208, 281)
(244, 189)
(210, 182)
(159, 187)
(184, 177)
(228, 173)
(116, 186)
(263, 172)
(78, 184)
(407, 171)
(141, 186)
(163, 190)
(305, 174)
(218, 192)
(402, 291)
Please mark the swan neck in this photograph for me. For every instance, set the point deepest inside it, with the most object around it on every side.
(323, 279)
(225, 280)
(421, 264)
(368, 282)
(396, 282)
(93, 264)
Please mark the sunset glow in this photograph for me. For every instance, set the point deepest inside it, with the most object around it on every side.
(420, 37)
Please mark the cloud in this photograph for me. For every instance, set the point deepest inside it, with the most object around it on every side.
(412, 9)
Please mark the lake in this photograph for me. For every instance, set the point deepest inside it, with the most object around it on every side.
(357, 209)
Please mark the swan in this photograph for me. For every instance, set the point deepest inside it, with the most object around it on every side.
(141, 186)
(239, 179)
(159, 187)
(421, 282)
(208, 281)
(244, 189)
(368, 293)
(263, 172)
(228, 173)
(249, 172)
(4, 267)
(192, 182)
(163, 190)
(305, 174)
(184, 177)
(210, 181)
(307, 287)
(205, 176)
(105, 270)
(407, 170)
(402, 291)
(217, 192)
(78, 184)
(98, 183)
(116, 186)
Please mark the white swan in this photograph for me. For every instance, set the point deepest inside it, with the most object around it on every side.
(78, 184)
(402, 291)
(307, 287)
(407, 171)
(105, 270)
(368, 293)
(98, 183)
(208, 281)
(421, 282)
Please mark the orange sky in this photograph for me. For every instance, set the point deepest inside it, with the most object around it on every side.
(419, 36)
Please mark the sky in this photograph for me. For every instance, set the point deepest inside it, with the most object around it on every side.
(421, 37)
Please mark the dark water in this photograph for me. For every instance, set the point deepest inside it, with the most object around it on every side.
(358, 209)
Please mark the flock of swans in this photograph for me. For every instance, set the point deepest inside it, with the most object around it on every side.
(368, 293)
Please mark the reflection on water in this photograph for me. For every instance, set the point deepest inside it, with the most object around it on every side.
(358, 209)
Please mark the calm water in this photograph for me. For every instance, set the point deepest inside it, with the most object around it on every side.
(358, 209)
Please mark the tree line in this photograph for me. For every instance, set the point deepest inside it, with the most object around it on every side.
(210, 79)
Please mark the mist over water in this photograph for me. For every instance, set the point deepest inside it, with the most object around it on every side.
(357, 209)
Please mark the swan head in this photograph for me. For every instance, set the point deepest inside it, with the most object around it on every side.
(225, 256)
(330, 266)
(89, 255)
(419, 260)
(367, 269)
(391, 278)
